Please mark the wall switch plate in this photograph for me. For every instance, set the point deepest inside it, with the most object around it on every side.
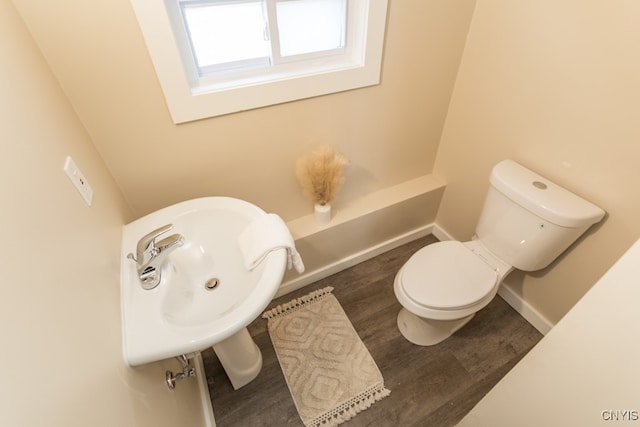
(78, 180)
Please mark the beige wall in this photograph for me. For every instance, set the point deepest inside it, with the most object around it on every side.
(390, 132)
(60, 318)
(553, 85)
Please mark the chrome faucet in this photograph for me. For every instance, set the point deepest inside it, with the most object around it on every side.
(151, 254)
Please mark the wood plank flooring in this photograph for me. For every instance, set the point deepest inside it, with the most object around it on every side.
(430, 386)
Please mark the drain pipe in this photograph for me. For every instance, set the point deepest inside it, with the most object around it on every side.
(187, 371)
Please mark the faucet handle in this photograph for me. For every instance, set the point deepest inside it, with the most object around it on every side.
(147, 240)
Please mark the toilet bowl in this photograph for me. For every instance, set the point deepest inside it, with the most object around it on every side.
(442, 286)
(526, 222)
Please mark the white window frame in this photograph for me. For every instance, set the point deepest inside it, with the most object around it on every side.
(191, 98)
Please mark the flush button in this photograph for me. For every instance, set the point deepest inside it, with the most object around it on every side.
(539, 185)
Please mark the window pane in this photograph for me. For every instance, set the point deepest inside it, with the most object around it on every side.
(226, 32)
(307, 26)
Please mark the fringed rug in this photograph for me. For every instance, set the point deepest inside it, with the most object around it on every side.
(329, 371)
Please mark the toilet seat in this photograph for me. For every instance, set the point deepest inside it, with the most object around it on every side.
(446, 276)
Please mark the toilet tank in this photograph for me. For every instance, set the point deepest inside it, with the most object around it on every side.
(527, 220)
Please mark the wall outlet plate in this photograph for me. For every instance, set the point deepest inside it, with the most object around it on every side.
(78, 180)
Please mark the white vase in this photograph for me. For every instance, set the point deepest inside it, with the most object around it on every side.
(323, 213)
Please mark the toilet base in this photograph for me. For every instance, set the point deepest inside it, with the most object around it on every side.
(427, 332)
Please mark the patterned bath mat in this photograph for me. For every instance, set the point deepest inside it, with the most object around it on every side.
(329, 371)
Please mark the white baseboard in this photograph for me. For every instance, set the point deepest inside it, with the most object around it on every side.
(203, 387)
(351, 260)
(526, 310)
(440, 233)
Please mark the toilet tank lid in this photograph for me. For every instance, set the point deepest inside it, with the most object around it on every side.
(543, 197)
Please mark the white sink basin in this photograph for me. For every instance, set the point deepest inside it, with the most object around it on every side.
(182, 315)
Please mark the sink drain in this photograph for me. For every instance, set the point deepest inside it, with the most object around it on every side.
(212, 284)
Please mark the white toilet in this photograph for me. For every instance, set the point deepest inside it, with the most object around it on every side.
(526, 222)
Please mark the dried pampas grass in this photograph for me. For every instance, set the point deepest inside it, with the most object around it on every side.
(320, 174)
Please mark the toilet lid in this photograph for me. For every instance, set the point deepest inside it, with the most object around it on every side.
(447, 275)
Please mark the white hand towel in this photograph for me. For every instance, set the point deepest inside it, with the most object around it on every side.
(266, 234)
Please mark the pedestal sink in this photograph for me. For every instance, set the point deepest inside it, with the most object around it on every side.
(206, 296)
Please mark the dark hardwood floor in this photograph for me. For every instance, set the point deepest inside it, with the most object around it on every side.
(430, 386)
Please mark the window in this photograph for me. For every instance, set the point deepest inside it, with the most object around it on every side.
(225, 35)
(243, 35)
(215, 57)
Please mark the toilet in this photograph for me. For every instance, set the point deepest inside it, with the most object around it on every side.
(526, 222)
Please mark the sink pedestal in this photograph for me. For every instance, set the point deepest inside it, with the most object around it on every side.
(240, 357)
